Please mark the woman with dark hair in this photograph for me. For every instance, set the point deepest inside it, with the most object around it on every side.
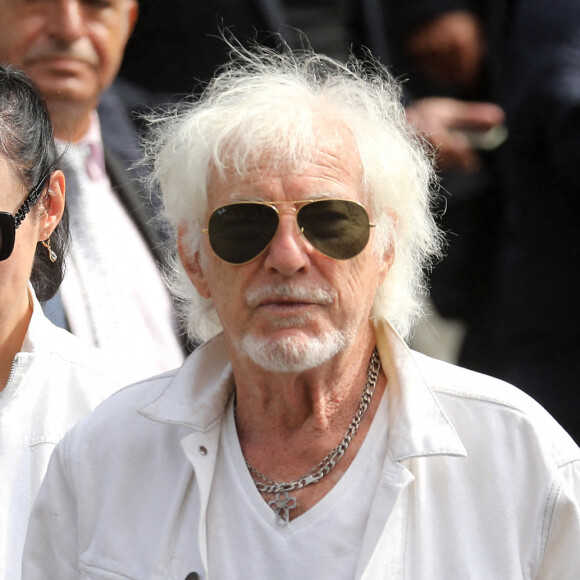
(48, 378)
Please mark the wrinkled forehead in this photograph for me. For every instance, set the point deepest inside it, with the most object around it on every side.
(326, 148)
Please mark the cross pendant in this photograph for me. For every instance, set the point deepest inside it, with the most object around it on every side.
(282, 506)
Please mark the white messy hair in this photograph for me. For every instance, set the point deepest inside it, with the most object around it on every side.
(265, 101)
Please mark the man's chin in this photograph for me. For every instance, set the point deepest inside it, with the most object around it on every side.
(293, 354)
(65, 88)
(64, 93)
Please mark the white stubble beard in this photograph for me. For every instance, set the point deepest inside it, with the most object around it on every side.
(291, 354)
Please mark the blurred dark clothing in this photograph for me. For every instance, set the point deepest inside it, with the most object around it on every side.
(323, 23)
(176, 45)
(123, 156)
(532, 315)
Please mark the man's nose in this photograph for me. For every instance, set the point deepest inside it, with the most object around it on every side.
(67, 21)
(289, 252)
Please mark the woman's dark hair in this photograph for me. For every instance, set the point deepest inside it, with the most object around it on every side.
(27, 140)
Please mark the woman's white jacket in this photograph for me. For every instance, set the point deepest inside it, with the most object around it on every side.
(55, 380)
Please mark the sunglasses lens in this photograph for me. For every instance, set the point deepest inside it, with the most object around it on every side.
(6, 235)
(337, 228)
(241, 231)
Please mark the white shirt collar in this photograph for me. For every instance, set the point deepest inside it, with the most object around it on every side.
(198, 394)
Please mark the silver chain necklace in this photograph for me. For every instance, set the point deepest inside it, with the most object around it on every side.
(283, 501)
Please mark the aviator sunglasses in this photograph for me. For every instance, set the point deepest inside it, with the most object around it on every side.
(10, 223)
(239, 232)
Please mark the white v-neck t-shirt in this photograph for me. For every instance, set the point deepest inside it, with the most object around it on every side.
(245, 540)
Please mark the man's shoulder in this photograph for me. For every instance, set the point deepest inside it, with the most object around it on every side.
(447, 378)
(116, 424)
(487, 407)
(123, 406)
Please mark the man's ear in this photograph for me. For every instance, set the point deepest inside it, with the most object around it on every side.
(389, 254)
(387, 262)
(133, 14)
(53, 205)
(192, 264)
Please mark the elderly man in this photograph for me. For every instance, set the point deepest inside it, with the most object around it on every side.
(304, 439)
(73, 49)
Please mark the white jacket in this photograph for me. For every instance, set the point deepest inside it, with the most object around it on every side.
(479, 482)
(54, 382)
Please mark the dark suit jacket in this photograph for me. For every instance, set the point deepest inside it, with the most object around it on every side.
(187, 47)
(123, 160)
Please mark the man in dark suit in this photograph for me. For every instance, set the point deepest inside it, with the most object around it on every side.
(113, 294)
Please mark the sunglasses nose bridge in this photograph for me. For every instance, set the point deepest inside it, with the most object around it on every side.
(287, 221)
(287, 208)
(289, 229)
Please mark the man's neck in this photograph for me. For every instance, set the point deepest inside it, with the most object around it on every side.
(71, 122)
(300, 409)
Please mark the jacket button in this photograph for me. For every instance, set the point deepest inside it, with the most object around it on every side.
(192, 576)
(203, 451)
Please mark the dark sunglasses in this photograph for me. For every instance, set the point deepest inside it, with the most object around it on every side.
(10, 223)
(240, 232)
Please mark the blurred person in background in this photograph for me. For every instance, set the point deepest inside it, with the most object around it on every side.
(522, 311)
(48, 378)
(113, 293)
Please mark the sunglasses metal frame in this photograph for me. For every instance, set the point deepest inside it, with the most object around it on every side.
(10, 223)
(273, 205)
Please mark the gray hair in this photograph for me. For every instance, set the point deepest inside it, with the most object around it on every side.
(265, 101)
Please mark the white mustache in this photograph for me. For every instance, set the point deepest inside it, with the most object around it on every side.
(81, 50)
(299, 293)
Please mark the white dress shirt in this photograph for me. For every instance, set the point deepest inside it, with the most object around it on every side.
(113, 293)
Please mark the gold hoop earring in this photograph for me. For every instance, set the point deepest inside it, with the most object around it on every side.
(51, 253)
